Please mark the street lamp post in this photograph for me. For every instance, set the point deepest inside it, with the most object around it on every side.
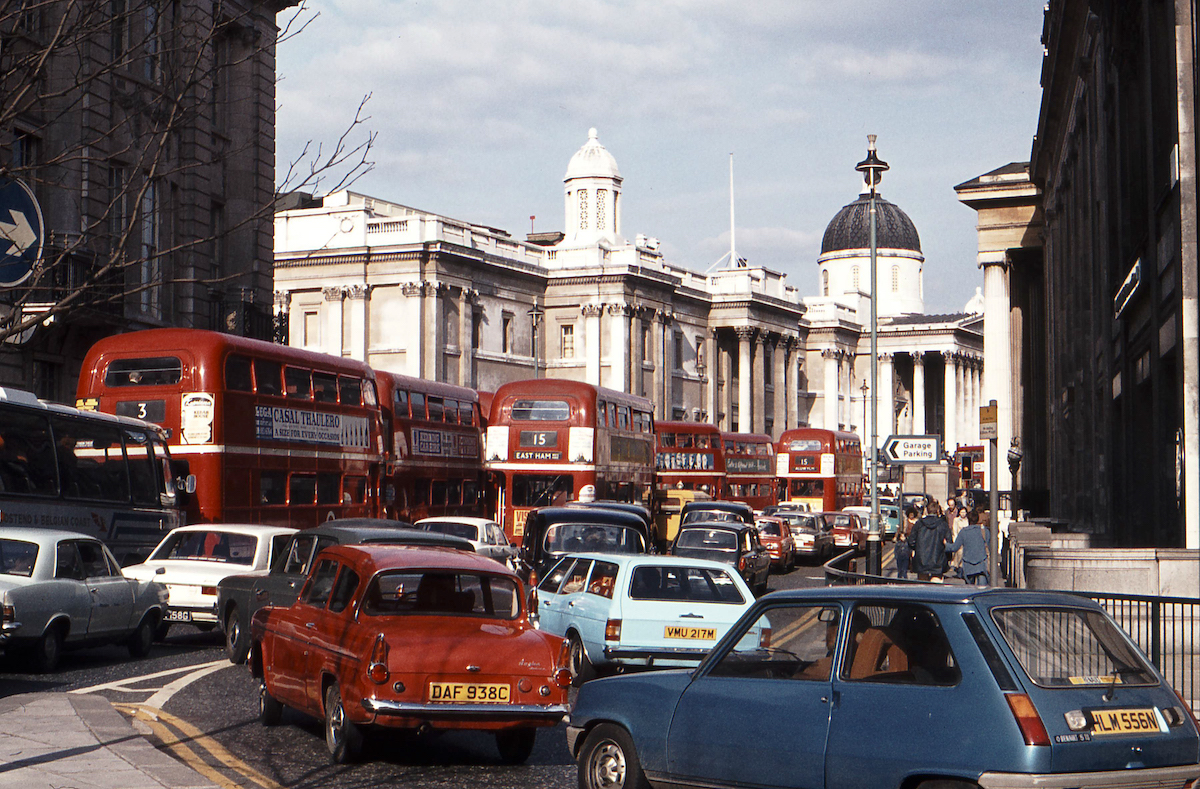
(872, 169)
(535, 317)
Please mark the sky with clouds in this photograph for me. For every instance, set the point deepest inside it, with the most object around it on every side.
(478, 107)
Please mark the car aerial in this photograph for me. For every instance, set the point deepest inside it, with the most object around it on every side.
(239, 596)
(728, 542)
(61, 590)
(487, 536)
(717, 511)
(896, 687)
(777, 538)
(553, 532)
(811, 533)
(849, 532)
(192, 560)
(407, 637)
(618, 611)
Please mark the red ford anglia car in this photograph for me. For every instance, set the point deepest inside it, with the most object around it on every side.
(411, 638)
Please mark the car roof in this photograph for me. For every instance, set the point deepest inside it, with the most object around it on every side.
(235, 528)
(457, 519)
(40, 535)
(355, 530)
(656, 559)
(382, 556)
(739, 507)
(599, 515)
(935, 593)
(738, 526)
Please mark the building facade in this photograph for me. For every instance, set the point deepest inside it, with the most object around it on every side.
(146, 132)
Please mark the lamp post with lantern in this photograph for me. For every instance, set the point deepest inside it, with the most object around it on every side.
(872, 169)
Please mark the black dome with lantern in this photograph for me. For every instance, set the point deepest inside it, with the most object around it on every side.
(851, 229)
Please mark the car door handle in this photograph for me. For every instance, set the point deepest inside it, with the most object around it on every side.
(311, 625)
(261, 594)
(571, 604)
(691, 616)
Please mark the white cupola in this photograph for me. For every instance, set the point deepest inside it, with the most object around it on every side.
(593, 190)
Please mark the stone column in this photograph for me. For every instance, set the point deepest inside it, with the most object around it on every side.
(726, 388)
(761, 349)
(711, 372)
(918, 393)
(887, 398)
(466, 324)
(830, 355)
(281, 311)
(848, 388)
(591, 342)
(779, 362)
(619, 351)
(791, 374)
(434, 335)
(637, 382)
(745, 408)
(355, 306)
(997, 349)
(950, 390)
(331, 338)
(668, 364)
(416, 320)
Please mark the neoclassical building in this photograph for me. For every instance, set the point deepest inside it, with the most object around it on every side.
(422, 294)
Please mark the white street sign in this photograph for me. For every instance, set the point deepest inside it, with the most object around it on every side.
(913, 449)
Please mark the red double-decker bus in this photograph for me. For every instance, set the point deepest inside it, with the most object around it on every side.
(749, 469)
(551, 441)
(273, 434)
(433, 441)
(822, 468)
(690, 457)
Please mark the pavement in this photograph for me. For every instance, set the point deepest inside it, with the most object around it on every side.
(61, 740)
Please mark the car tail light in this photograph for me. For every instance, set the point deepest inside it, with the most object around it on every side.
(742, 564)
(377, 670)
(8, 614)
(612, 630)
(208, 590)
(533, 602)
(1032, 728)
(1187, 708)
(764, 638)
(533, 579)
(564, 655)
(562, 678)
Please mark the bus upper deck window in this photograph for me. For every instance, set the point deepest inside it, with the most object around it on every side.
(400, 402)
(452, 411)
(325, 389)
(267, 377)
(368, 394)
(349, 391)
(541, 410)
(156, 371)
(237, 374)
(466, 413)
(416, 404)
(436, 408)
(297, 382)
(666, 439)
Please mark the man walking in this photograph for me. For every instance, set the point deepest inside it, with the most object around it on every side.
(973, 540)
(928, 542)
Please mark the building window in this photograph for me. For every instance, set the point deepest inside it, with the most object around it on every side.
(506, 326)
(120, 31)
(601, 199)
(476, 331)
(678, 342)
(312, 329)
(149, 262)
(700, 353)
(151, 64)
(825, 282)
(895, 279)
(583, 209)
(645, 344)
(854, 278)
(566, 344)
(118, 202)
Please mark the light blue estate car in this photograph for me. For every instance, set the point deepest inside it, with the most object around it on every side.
(641, 610)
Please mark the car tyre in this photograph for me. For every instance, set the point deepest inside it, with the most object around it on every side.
(343, 738)
(608, 760)
(142, 639)
(579, 664)
(47, 650)
(161, 629)
(515, 745)
(270, 709)
(237, 646)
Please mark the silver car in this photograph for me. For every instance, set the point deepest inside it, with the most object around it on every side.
(61, 589)
(487, 536)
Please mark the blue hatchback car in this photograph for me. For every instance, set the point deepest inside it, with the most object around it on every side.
(905, 687)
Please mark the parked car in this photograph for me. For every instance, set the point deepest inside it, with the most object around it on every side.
(896, 686)
(625, 506)
(638, 610)
(60, 590)
(812, 534)
(717, 511)
(485, 535)
(426, 639)
(727, 542)
(192, 560)
(847, 529)
(776, 537)
(239, 596)
(553, 532)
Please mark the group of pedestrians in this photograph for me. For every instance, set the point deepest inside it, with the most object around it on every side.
(932, 546)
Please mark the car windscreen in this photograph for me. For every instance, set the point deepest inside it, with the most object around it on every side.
(441, 592)
(684, 585)
(17, 557)
(1069, 647)
(709, 539)
(208, 546)
(804, 522)
(592, 538)
(465, 530)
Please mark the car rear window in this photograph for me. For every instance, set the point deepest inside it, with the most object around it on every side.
(442, 592)
(710, 539)
(1070, 647)
(684, 584)
(770, 528)
(208, 546)
(591, 538)
(465, 530)
(17, 557)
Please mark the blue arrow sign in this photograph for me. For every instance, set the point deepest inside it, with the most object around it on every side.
(21, 233)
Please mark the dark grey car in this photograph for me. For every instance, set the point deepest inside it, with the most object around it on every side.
(239, 596)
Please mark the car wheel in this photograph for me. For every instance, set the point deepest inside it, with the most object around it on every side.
(608, 760)
(204, 627)
(515, 745)
(237, 647)
(46, 651)
(143, 638)
(580, 666)
(270, 709)
(161, 630)
(342, 735)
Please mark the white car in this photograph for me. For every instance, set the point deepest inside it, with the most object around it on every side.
(487, 536)
(61, 589)
(191, 561)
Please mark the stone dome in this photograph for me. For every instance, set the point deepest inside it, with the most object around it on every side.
(850, 229)
(592, 161)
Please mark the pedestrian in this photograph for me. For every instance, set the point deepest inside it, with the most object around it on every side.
(973, 541)
(957, 524)
(901, 547)
(928, 542)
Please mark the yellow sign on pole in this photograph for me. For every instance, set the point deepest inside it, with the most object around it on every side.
(987, 422)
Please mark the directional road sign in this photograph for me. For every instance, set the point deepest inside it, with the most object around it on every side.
(21, 232)
(913, 449)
